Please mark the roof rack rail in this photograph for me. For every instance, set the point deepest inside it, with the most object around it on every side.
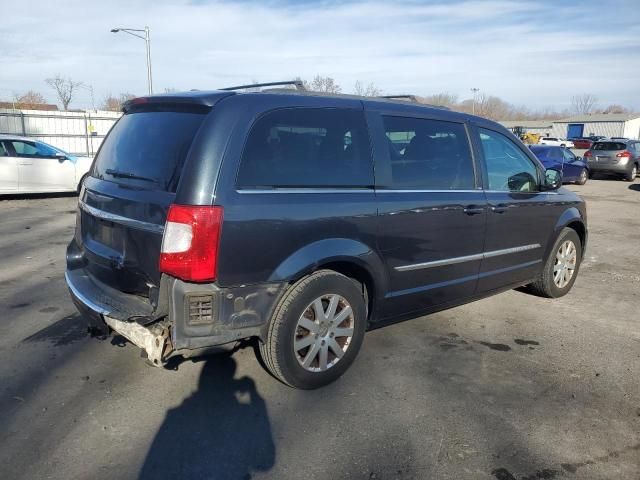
(411, 98)
(296, 83)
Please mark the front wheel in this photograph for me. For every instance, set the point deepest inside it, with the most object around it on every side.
(632, 173)
(561, 268)
(584, 175)
(316, 330)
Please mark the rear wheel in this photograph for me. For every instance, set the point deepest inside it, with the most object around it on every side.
(584, 175)
(632, 173)
(316, 331)
(561, 268)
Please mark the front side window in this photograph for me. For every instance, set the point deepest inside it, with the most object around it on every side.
(307, 147)
(568, 155)
(508, 168)
(429, 154)
(33, 149)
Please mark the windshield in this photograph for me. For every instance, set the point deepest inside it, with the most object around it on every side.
(147, 149)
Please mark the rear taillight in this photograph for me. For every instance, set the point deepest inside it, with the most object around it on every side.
(625, 153)
(588, 154)
(190, 242)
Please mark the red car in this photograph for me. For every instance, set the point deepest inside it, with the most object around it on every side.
(582, 143)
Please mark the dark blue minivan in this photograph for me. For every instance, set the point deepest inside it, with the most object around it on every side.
(304, 219)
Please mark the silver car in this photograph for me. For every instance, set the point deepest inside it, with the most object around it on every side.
(618, 157)
(31, 166)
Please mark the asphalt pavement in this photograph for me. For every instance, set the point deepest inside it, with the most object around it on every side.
(510, 387)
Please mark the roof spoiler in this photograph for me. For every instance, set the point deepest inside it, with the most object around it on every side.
(296, 83)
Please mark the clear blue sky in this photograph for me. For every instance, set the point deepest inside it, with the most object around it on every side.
(535, 53)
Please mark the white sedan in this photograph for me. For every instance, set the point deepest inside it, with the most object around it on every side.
(30, 166)
(556, 142)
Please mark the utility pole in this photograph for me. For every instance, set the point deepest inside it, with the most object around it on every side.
(147, 42)
(473, 106)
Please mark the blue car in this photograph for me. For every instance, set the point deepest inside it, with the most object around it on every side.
(574, 169)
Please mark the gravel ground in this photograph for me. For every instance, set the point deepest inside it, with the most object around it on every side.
(511, 387)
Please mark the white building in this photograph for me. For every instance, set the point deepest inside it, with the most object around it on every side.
(606, 124)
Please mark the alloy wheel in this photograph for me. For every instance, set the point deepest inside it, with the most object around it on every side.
(565, 265)
(324, 332)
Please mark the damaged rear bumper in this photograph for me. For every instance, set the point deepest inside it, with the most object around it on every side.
(189, 317)
(101, 310)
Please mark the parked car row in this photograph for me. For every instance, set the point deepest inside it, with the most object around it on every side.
(619, 157)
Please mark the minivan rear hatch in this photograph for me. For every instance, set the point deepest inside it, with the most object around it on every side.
(125, 199)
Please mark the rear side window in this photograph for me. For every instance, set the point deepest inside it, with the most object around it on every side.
(307, 147)
(429, 154)
(148, 149)
(609, 146)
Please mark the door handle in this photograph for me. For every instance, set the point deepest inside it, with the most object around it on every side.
(473, 210)
(25, 163)
(499, 208)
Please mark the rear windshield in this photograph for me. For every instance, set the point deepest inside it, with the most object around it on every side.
(609, 146)
(147, 149)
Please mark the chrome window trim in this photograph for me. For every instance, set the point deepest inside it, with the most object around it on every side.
(129, 222)
(304, 190)
(395, 190)
(467, 258)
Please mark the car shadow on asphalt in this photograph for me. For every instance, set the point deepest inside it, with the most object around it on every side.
(221, 431)
(635, 186)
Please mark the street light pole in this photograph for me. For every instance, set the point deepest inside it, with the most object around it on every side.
(147, 41)
(473, 106)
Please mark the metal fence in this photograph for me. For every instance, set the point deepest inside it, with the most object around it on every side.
(79, 133)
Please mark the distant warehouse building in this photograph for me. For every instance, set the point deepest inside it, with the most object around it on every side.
(605, 124)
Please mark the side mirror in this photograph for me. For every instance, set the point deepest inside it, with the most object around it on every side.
(552, 179)
(61, 157)
(578, 159)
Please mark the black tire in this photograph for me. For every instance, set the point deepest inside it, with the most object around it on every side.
(631, 173)
(584, 175)
(81, 182)
(545, 286)
(277, 351)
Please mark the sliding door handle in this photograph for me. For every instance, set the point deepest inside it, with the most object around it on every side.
(499, 208)
(473, 210)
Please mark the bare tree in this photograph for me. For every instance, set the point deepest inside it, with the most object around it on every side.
(583, 104)
(170, 90)
(64, 88)
(616, 109)
(113, 103)
(322, 84)
(29, 100)
(441, 100)
(369, 90)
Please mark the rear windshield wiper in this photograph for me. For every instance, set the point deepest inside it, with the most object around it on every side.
(116, 173)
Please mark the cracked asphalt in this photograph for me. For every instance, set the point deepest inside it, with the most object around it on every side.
(510, 387)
